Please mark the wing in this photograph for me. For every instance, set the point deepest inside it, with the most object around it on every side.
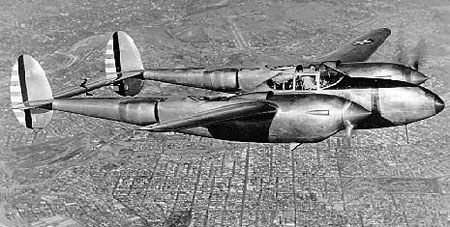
(360, 49)
(217, 115)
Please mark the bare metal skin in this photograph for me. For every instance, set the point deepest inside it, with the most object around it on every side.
(304, 103)
(390, 102)
(234, 80)
(283, 116)
(387, 71)
(302, 118)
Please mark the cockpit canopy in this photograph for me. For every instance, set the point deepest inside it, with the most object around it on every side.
(315, 77)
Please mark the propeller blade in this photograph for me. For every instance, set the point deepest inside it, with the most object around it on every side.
(410, 56)
(418, 54)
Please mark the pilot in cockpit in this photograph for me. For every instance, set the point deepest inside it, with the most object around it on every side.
(309, 81)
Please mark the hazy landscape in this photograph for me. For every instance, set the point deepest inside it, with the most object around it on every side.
(81, 171)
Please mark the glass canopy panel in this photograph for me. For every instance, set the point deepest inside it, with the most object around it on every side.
(322, 78)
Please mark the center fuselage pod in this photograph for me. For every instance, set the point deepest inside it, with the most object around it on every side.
(391, 103)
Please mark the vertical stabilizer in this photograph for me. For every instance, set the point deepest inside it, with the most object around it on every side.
(122, 56)
(30, 85)
(123, 60)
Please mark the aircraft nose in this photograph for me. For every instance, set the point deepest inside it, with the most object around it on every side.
(418, 77)
(355, 113)
(385, 31)
(435, 101)
(439, 104)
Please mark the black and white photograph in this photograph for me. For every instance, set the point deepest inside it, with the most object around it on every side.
(186, 113)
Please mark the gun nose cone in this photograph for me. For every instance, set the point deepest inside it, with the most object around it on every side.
(439, 104)
(355, 113)
(418, 77)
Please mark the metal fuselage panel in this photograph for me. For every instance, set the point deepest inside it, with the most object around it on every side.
(300, 116)
(387, 71)
(390, 106)
(128, 87)
(391, 103)
(249, 129)
(249, 79)
(176, 109)
(219, 79)
(133, 111)
(306, 118)
(375, 70)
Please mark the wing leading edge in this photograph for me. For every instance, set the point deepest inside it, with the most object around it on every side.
(360, 49)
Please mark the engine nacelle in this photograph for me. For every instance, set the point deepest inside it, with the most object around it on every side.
(128, 87)
(301, 118)
(388, 71)
(133, 111)
(313, 118)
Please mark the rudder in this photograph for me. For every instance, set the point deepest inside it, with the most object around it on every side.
(123, 60)
(122, 56)
(29, 84)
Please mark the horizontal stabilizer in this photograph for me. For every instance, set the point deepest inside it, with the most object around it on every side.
(122, 61)
(218, 115)
(89, 86)
(33, 104)
(30, 85)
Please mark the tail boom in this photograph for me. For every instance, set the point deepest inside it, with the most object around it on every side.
(132, 111)
(225, 80)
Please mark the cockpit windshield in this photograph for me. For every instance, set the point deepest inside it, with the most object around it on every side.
(311, 78)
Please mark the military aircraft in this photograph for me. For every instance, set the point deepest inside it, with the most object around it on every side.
(305, 103)
(125, 71)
